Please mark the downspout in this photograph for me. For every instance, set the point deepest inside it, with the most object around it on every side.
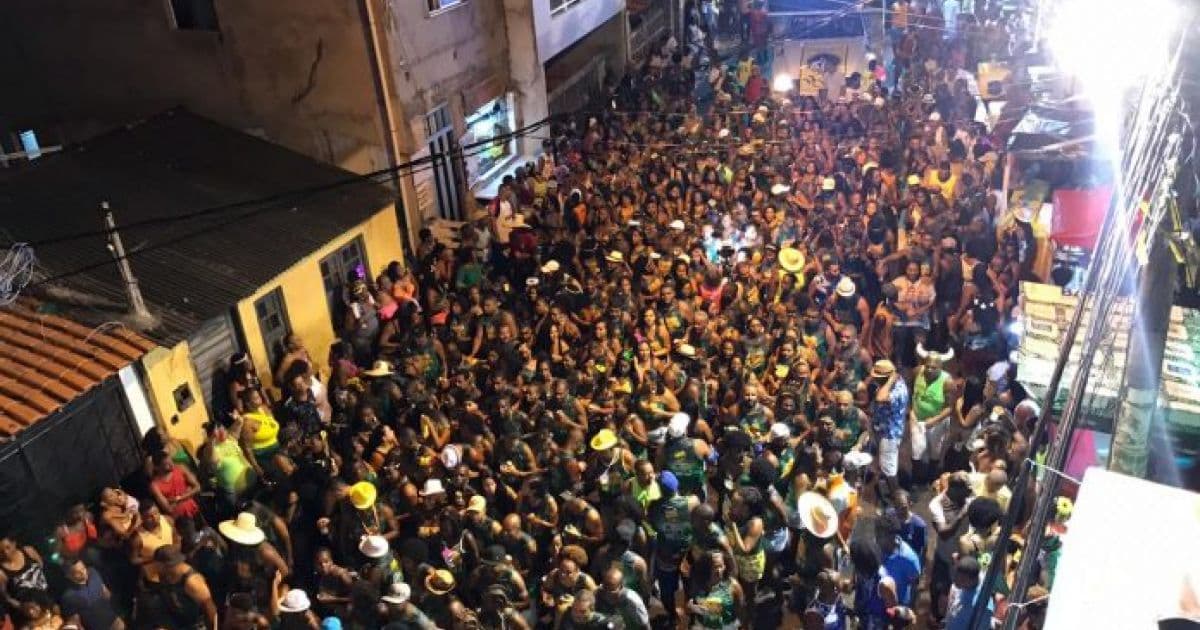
(383, 90)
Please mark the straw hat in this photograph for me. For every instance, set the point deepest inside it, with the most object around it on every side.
(295, 601)
(913, 180)
(432, 487)
(780, 189)
(398, 593)
(857, 459)
(935, 116)
(677, 224)
(451, 456)
(614, 257)
(532, 281)
(686, 350)
(781, 431)
(379, 368)
(723, 133)
(604, 440)
(477, 504)
(551, 266)
(243, 530)
(439, 582)
(678, 425)
(828, 184)
(883, 369)
(845, 287)
(791, 259)
(373, 547)
(817, 514)
(362, 495)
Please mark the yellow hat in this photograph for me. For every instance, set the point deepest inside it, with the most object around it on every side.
(440, 582)
(604, 440)
(362, 495)
(791, 259)
(913, 180)
(477, 504)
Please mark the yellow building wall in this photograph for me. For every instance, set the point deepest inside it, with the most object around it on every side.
(165, 370)
(304, 292)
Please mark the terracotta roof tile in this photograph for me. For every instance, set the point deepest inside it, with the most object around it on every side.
(47, 360)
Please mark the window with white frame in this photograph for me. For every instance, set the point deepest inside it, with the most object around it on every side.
(441, 5)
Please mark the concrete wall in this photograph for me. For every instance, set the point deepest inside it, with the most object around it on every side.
(458, 57)
(304, 291)
(295, 72)
(166, 369)
(556, 32)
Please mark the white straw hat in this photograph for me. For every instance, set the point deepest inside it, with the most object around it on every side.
(295, 601)
(243, 530)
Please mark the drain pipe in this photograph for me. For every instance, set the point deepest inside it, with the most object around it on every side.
(382, 80)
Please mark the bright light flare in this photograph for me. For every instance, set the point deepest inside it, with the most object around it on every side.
(783, 82)
(1109, 45)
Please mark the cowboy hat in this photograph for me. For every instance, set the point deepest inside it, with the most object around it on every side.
(398, 593)
(614, 256)
(780, 431)
(828, 184)
(604, 440)
(439, 582)
(883, 369)
(432, 487)
(373, 547)
(551, 266)
(817, 514)
(532, 281)
(243, 530)
(686, 350)
(379, 368)
(296, 601)
(780, 189)
(791, 259)
(677, 224)
(678, 425)
(362, 495)
(451, 456)
(723, 133)
(857, 459)
(913, 180)
(655, 255)
(477, 504)
(845, 287)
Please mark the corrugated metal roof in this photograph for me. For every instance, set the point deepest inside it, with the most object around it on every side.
(171, 164)
(47, 361)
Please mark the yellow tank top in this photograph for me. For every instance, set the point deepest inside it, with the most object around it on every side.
(153, 541)
(267, 435)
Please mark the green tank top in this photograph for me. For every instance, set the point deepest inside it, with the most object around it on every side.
(674, 523)
(929, 398)
(687, 466)
(719, 604)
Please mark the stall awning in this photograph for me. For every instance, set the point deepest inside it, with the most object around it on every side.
(1130, 556)
(1053, 131)
(1078, 215)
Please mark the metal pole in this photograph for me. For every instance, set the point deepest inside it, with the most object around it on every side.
(118, 250)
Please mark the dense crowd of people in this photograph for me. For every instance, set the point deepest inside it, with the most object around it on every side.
(702, 363)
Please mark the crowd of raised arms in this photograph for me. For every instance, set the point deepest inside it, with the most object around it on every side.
(694, 366)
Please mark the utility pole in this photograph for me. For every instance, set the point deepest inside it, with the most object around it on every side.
(137, 304)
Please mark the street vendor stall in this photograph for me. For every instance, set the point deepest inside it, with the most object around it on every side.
(1045, 313)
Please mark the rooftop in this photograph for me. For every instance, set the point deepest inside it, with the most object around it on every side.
(47, 361)
(173, 164)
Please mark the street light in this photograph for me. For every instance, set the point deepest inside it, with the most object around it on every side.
(783, 82)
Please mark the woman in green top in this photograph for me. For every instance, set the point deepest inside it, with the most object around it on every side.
(717, 597)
